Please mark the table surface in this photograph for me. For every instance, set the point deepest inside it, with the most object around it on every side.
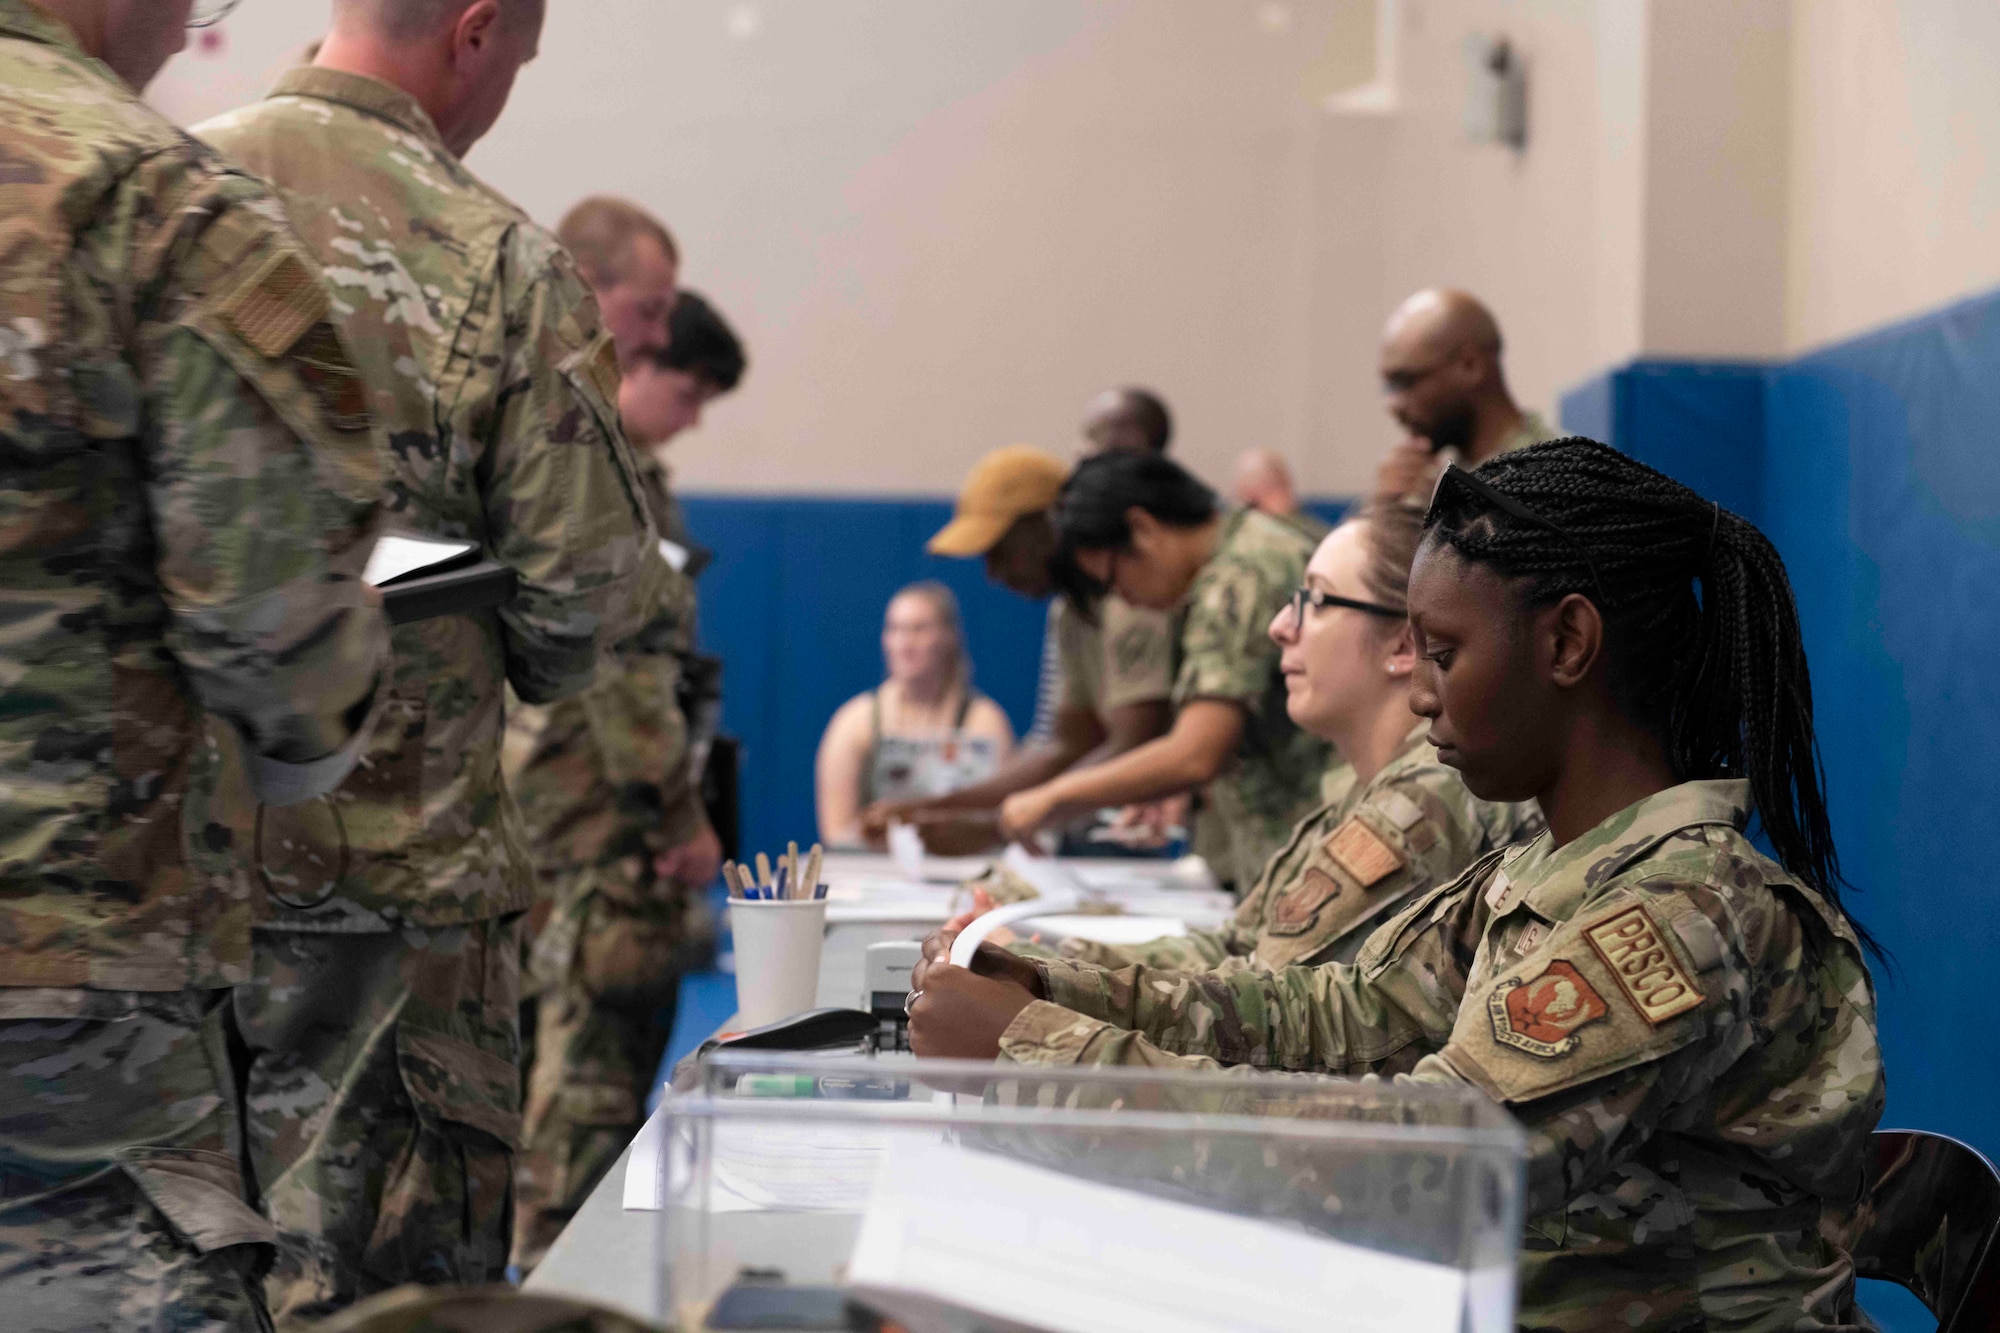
(612, 1256)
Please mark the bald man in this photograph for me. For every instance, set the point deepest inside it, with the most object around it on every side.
(1443, 383)
(1131, 419)
(1264, 482)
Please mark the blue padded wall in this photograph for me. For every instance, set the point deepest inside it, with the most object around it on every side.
(1874, 465)
(793, 605)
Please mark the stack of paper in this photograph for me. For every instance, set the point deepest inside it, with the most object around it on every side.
(950, 1230)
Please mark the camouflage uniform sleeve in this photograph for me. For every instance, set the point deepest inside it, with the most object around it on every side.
(682, 816)
(263, 481)
(1196, 951)
(1615, 1019)
(1401, 994)
(1226, 653)
(564, 506)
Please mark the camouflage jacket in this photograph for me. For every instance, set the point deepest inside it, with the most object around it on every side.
(190, 497)
(606, 775)
(1225, 652)
(1686, 1032)
(1348, 866)
(496, 391)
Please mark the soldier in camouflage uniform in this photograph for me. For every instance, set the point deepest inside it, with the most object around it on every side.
(1349, 865)
(1407, 826)
(1685, 1026)
(608, 789)
(1105, 678)
(383, 1023)
(1227, 574)
(191, 496)
(1443, 382)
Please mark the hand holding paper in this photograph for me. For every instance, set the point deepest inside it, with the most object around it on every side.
(960, 1015)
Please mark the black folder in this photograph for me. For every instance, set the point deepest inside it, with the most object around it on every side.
(461, 586)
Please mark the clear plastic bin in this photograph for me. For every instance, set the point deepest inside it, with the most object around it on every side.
(954, 1195)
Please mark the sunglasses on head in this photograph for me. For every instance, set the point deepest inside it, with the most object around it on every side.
(1454, 475)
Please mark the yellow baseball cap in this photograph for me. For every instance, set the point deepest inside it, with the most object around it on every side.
(1005, 485)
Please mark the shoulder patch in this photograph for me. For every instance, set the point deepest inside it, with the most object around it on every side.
(1296, 907)
(1402, 811)
(1542, 1014)
(604, 369)
(276, 306)
(1632, 946)
(1363, 853)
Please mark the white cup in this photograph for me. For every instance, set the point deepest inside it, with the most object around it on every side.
(777, 958)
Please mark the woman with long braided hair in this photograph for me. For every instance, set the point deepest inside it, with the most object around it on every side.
(1685, 1026)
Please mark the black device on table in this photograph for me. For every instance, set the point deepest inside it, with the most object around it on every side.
(760, 1299)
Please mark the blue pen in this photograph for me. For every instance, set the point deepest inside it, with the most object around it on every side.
(778, 889)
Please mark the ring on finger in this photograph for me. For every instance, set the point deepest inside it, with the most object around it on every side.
(909, 1000)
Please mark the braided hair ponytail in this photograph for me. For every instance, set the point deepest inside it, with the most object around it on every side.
(1722, 680)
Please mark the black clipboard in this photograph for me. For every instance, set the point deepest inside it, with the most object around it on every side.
(461, 586)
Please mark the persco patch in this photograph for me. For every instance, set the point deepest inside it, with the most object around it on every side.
(277, 306)
(1634, 947)
(1542, 1014)
(1363, 853)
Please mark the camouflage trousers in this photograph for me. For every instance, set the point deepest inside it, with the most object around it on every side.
(608, 975)
(383, 1107)
(122, 1200)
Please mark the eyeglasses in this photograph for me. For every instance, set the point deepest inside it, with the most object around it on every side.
(1320, 601)
(1507, 504)
(208, 13)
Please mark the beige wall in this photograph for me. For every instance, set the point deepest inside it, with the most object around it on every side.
(1895, 185)
(943, 224)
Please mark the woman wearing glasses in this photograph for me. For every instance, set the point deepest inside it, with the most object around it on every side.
(1139, 525)
(1685, 1026)
(1402, 823)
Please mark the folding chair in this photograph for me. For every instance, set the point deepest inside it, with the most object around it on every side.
(1929, 1221)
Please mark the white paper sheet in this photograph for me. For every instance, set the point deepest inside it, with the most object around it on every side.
(758, 1166)
(645, 1169)
(906, 845)
(395, 556)
(1105, 929)
(1049, 877)
(1023, 1243)
(974, 935)
(915, 914)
